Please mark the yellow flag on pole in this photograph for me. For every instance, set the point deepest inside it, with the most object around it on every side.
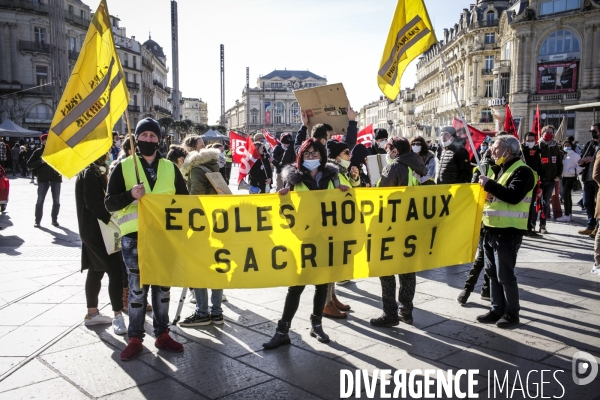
(411, 34)
(94, 99)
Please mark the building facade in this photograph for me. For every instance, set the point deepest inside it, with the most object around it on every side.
(195, 110)
(524, 53)
(161, 107)
(271, 104)
(25, 64)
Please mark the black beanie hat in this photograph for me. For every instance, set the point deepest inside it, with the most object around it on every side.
(286, 138)
(381, 133)
(334, 148)
(148, 124)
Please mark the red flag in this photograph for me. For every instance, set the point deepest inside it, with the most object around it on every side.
(238, 146)
(248, 160)
(338, 138)
(537, 123)
(365, 136)
(271, 139)
(509, 123)
(477, 135)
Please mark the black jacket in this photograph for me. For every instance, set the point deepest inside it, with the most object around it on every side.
(454, 165)
(350, 139)
(396, 173)
(43, 171)
(551, 161)
(260, 172)
(89, 201)
(589, 150)
(292, 177)
(283, 157)
(532, 157)
(516, 188)
(375, 149)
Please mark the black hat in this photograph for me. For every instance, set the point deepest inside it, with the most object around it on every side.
(148, 124)
(449, 129)
(286, 138)
(334, 148)
(381, 133)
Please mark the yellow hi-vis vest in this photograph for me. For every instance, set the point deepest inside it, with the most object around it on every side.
(228, 156)
(499, 214)
(412, 179)
(165, 184)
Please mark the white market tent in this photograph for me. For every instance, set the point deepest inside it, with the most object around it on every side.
(10, 129)
(213, 135)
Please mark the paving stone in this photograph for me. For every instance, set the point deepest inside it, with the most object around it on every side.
(307, 370)
(257, 296)
(59, 315)
(26, 340)
(563, 359)
(492, 337)
(53, 389)
(6, 329)
(157, 390)
(248, 314)
(53, 294)
(83, 365)
(76, 338)
(272, 390)
(205, 370)
(32, 372)
(6, 363)
(19, 313)
(51, 279)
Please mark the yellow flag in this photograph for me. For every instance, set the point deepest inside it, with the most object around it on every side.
(411, 34)
(94, 99)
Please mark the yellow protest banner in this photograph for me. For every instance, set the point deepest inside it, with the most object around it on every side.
(94, 99)
(411, 34)
(305, 237)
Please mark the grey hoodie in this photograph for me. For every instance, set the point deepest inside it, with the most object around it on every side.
(396, 173)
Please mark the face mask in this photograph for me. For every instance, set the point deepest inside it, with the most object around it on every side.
(311, 165)
(530, 144)
(548, 137)
(284, 146)
(483, 149)
(416, 149)
(447, 143)
(382, 143)
(594, 135)
(344, 163)
(567, 149)
(501, 160)
(147, 148)
(102, 169)
(117, 143)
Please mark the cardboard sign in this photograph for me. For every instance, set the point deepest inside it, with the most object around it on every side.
(375, 165)
(325, 105)
(216, 179)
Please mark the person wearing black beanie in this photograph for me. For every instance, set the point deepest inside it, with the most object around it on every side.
(380, 140)
(358, 159)
(148, 124)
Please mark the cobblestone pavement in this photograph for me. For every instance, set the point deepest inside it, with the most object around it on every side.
(46, 352)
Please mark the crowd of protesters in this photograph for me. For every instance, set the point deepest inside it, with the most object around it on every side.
(520, 181)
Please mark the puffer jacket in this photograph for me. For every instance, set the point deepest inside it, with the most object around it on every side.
(571, 167)
(197, 181)
(43, 171)
(396, 173)
(454, 165)
(551, 157)
(292, 176)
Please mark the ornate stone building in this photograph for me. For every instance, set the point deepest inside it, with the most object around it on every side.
(160, 107)
(271, 104)
(195, 110)
(25, 65)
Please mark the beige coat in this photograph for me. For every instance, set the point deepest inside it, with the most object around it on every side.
(596, 178)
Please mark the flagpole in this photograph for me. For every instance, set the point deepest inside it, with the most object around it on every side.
(462, 115)
(131, 142)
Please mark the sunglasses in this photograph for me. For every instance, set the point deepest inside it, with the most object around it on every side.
(311, 154)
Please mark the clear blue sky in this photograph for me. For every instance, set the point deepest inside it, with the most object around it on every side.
(340, 39)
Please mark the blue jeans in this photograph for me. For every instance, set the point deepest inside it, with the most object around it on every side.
(589, 202)
(42, 191)
(500, 260)
(138, 296)
(216, 297)
(547, 191)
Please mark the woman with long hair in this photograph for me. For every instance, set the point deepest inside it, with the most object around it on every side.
(420, 147)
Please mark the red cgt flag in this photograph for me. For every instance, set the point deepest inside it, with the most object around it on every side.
(365, 136)
(537, 123)
(337, 138)
(271, 139)
(509, 123)
(478, 136)
(248, 160)
(238, 146)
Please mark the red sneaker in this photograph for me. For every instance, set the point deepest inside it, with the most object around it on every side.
(166, 342)
(133, 348)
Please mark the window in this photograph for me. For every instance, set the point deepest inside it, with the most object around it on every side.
(504, 85)
(295, 113)
(486, 116)
(556, 6)
(72, 44)
(507, 51)
(490, 38)
(41, 75)
(279, 111)
(490, 16)
(82, 13)
(560, 42)
(134, 62)
(254, 116)
(40, 112)
(135, 99)
(39, 35)
(276, 85)
(489, 63)
(71, 10)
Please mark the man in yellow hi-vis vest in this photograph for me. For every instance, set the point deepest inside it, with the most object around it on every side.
(161, 176)
(505, 216)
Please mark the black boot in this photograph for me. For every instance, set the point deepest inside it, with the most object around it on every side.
(317, 329)
(281, 336)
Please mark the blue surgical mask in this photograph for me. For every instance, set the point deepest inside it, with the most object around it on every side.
(311, 165)
(567, 149)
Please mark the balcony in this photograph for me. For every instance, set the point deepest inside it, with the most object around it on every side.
(73, 55)
(162, 110)
(38, 47)
(38, 118)
(34, 89)
(484, 24)
(77, 20)
(486, 71)
(133, 85)
(560, 97)
(133, 67)
(135, 109)
(25, 5)
(486, 120)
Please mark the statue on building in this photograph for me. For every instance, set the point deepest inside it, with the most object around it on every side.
(591, 4)
(3, 110)
(18, 112)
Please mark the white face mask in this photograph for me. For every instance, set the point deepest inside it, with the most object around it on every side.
(117, 143)
(530, 144)
(567, 149)
(311, 165)
(483, 149)
(344, 163)
(447, 143)
(382, 143)
(416, 149)
(284, 146)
